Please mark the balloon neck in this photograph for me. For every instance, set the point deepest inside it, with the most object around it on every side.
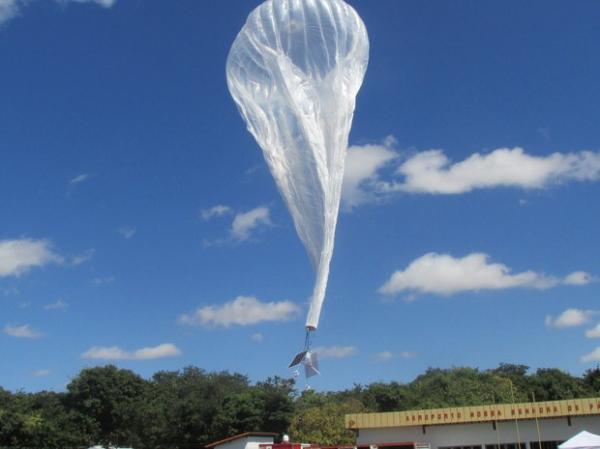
(309, 329)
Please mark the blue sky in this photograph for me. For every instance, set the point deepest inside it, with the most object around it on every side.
(140, 226)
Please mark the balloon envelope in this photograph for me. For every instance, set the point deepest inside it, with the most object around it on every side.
(294, 71)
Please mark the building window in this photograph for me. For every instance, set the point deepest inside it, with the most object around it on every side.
(460, 447)
(545, 444)
(507, 446)
(400, 446)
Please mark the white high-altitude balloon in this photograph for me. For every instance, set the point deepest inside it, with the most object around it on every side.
(294, 71)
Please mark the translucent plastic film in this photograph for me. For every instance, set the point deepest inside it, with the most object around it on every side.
(294, 71)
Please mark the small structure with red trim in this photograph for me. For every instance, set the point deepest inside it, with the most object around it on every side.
(402, 445)
(248, 440)
(285, 444)
(256, 440)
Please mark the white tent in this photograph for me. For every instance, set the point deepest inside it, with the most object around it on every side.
(582, 440)
(101, 447)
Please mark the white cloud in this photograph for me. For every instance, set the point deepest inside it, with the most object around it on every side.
(335, 352)
(445, 275)
(433, 172)
(24, 331)
(79, 179)
(217, 211)
(42, 373)
(361, 172)
(19, 256)
(242, 311)
(103, 280)
(570, 318)
(593, 356)
(8, 10)
(104, 3)
(116, 353)
(83, 258)
(244, 223)
(384, 356)
(258, 337)
(207, 243)
(594, 332)
(127, 232)
(61, 304)
(578, 278)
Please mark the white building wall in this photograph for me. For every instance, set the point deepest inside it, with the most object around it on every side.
(246, 443)
(482, 433)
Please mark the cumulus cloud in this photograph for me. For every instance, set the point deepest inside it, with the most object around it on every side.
(444, 274)
(103, 280)
(433, 172)
(593, 356)
(116, 353)
(86, 256)
(593, 332)
(19, 256)
(578, 278)
(384, 356)
(127, 232)
(60, 304)
(42, 373)
(104, 3)
(245, 223)
(8, 10)
(24, 331)
(361, 172)
(242, 311)
(335, 352)
(216, 211)
(570, 318)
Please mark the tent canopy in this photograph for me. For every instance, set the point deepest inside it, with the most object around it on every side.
(582, 440)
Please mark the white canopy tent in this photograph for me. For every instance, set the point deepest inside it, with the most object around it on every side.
(102, 447)
(582, 440)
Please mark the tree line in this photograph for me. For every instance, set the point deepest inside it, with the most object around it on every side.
(190, 408)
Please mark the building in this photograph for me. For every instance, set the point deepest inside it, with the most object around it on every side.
(256, 440)
(497, 426)
(248, 440)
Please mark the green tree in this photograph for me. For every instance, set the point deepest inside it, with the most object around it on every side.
(552, 384)
(387, 397)
(591, 381)
(112, 399)
(268, 406)
(181, 407)
(321, 419)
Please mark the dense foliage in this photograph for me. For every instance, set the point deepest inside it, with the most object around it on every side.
(192, 407)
